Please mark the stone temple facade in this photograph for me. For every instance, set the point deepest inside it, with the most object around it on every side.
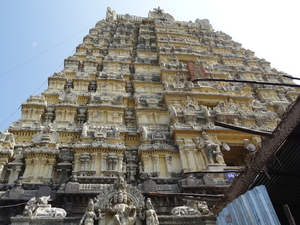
(139, 126)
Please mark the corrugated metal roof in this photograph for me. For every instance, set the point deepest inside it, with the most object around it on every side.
(252, 208)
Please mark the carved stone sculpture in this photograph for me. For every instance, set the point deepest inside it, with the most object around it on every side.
(111, 15)
(189, 209)
(212, 149)
(89, 216)
(150, 214)
(120, 200)
(123, 213)
(40, 207)
(192, 207)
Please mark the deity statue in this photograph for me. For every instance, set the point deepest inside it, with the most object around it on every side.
(90, 215)
(150, 214)
(124, 214)
(212, 149)
(111, 15)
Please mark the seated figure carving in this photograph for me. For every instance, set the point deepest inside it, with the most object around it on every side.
(124, 213)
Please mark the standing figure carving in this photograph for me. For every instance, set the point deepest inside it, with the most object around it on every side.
(212, 149)
(90, 215)
(150, 214)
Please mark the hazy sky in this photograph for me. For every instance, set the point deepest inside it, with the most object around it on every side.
(36, 36)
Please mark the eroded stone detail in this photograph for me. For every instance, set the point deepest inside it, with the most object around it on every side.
(39, 207)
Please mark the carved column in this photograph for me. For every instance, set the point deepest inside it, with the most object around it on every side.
(28, 162)
(120, 162)
(156, 117)
(104, 160)
(155, 160)
(93, 165)
(51, 163)
(188, 158)
(3, 162)
(44, 161)
(169, 164)
(77, 157)
(34, 164)
(199, 160)
(145, 160)
(14, 173)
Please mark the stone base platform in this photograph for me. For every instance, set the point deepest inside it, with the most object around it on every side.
(27, 220)
(187, 220)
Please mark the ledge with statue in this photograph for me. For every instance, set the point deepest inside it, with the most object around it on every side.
(39, 211)
(116, 204)
(123, 204)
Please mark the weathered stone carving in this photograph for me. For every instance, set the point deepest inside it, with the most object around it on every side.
(40, 208)
(46, 135)
(189, 209)
(122, 201)
(192, 208)
(149, 214)
(90, 215)
(126, 104)
(7, 138)
(68, 96)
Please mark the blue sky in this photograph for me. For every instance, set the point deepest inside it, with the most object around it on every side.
(36, 36)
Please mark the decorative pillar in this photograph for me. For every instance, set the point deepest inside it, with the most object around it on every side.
(187, 152)
(197, 158)
(120, 162)
(51, 163)
(77, 157)
(14, 173)
(28, 162)
(104, 162)
(34, 164)
(93, 165)
(169, 164)
(3, 162)
(145, 160)
(44, 161)
(155, 161)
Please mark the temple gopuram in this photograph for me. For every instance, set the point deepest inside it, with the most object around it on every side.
(149, 122)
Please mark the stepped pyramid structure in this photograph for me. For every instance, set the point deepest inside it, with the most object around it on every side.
(147, 108)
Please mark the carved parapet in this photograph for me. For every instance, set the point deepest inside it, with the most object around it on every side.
(39, 164)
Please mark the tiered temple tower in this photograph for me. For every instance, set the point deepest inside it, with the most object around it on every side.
(149, 99)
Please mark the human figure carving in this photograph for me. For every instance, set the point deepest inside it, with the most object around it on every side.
(150, 214)
(124, 214)
(90, 215)
(211, 149)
